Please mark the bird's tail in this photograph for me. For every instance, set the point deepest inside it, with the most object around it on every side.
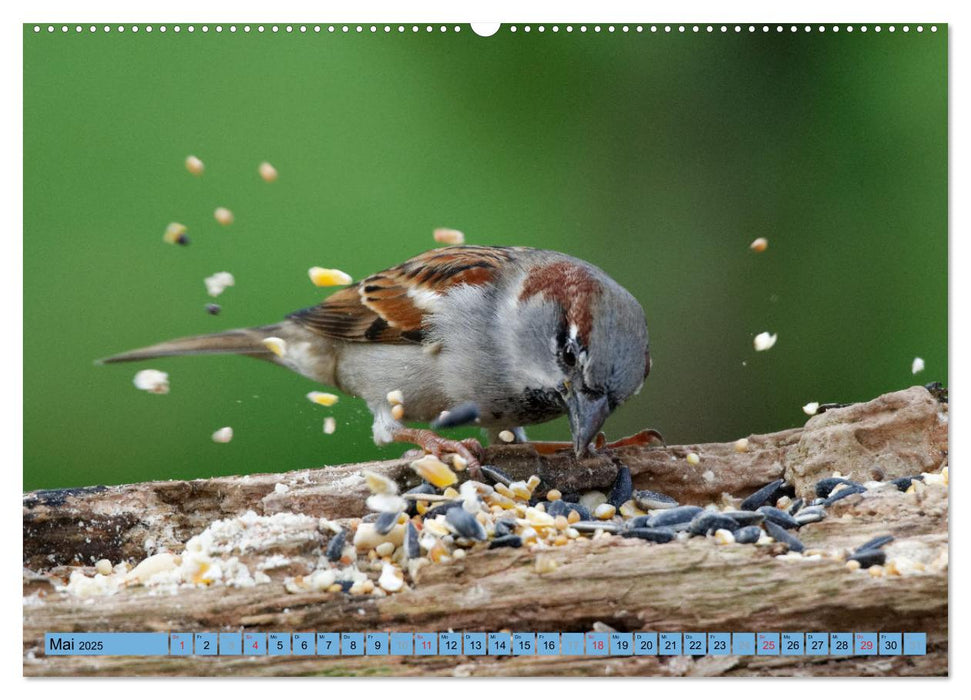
(242, 341)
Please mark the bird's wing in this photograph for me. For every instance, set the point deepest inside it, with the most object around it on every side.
(392, 306)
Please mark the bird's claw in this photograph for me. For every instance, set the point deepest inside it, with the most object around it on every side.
(644, 437)
(431, 443)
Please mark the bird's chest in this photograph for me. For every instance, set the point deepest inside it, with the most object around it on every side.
(523, 407)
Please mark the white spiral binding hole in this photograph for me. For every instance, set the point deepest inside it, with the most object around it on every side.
(489, 29)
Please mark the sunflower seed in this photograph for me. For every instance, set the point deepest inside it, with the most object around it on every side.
(843, 493)
(796, 505)
(764, 494)
(748, 535)
(745, 517)
(336, 545)
(781, 535)
(875, 543)
(385, 522)
(805, 518)
(555, 508)
(779, 517)
(505, 527)
(622, 489)
(412, 550)
(594, 525)
(707, 522)
(465, 523)
(514, 541)
(463, 414)
(673, 516)
(651, 534)
(824, 487)
(869, 557)
(904, 482)
(638, 521)
(442, 508)
(496, 474)
(652, 500)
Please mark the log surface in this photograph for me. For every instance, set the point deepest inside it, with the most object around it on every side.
(610, 583)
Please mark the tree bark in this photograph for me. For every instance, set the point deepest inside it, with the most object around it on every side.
(627, 585)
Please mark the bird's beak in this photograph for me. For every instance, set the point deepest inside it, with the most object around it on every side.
(587, 416)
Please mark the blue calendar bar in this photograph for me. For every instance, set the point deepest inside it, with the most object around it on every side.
(616, 644)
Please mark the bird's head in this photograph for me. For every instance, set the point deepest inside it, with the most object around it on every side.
(587, 340)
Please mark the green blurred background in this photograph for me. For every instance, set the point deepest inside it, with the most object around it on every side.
(658, 157)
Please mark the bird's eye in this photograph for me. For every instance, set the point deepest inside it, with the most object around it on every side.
(569, 356)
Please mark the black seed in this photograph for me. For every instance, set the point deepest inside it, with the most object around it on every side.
(817, 502)
(563, 508)
(745, 517)
(594, 525)
(779, 517)
(461, 415)
(214, 309)
(385, 522)
(345, 586)
(505, 527)
(496, 474)
(182, 239)
(336, 545)
(423, 487)
(623, 488)
(843, 493)
(824, 487)
(412, 549)
(706, 523)
(514, 541)
(638, 521)
(875, 543)
(652, 500)
(748, 535)
(805, 518)
(673, 516)
(764, 494)
(869, 557)
(796, 505)
(780, 535)
(904, 482)
(651, 534)
(442, 508)
(465, 524)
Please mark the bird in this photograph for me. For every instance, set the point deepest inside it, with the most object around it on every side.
(523, 335)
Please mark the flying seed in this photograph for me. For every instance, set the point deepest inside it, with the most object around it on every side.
(514, 541)
(779, 517)
(330, 425)
(741, 445)
(396, 397)
(434, 471)
(764, 494)
(323, 277)
(398, 411)
(465, 524)
(811, 408)
(764, 341)
(268, 172)
(463, 414)
(223, 216)
(605, 511)
(336, 545)
(194, 165)
(917, 365)
(322, 398)
(748, 535)
(152, 380)
(216, 283)
(175, 234)
(781, 535)
(674, 516)
(223, 435)
(622, 489)
(693, 459)
(652, 500)
(759, 245)
(448, 236)
(506, 436)
(278, 346)
(213, 309)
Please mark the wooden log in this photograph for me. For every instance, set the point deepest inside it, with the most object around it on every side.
(627, 585)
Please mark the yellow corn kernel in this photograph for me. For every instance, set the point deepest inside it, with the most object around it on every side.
(323, 277)
(573, 517)
(223, 216)
(448, 236)
(278, 346)
(693, 458)
(395, 397)
(175, 234)
(398, 411)
(268, 172)
(759, 245)
(434, 471)
(194, 165)
(532, 483)
(553, 495)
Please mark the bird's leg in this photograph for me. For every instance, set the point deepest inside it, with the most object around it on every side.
(644, 437)
(469, 449)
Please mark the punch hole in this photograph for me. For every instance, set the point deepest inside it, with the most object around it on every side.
(485, 28)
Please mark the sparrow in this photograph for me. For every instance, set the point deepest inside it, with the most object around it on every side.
(522, 335)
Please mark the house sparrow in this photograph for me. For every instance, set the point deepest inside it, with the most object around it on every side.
(524, 335)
